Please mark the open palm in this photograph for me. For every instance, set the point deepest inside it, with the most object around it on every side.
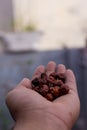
(26, 104)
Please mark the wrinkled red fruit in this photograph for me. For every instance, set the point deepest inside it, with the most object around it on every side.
(52, 86)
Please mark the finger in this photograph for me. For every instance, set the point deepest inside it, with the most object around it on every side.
(70, 80)
(40, 69)
(24, 83)
(61, 68)
(50, 68)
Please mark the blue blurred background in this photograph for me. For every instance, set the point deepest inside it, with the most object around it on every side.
(35, 32)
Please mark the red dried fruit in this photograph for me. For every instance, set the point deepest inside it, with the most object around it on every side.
(51, 78)
(49, 97)
(35, 82)
(42, 92)
(36, 88)
(51, 86)
(41, 82)
(45, 88)
(43, 76)
(64, 90)
(59, 82)
(50, 82)
(55, 91)
(61, 76)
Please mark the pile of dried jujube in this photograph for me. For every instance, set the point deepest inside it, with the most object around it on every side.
(52, 86)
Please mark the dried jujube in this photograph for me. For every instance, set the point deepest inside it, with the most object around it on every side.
(52, 86)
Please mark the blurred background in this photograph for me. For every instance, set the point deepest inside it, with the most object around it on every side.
(33, 32)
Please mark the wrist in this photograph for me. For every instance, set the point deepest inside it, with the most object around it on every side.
(39, 121)
(39, 125)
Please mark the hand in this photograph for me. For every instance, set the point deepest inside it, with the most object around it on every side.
(32, 111)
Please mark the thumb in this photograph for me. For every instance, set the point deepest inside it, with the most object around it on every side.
(13, 97)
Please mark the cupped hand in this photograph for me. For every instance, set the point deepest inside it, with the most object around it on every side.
(28, 107)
